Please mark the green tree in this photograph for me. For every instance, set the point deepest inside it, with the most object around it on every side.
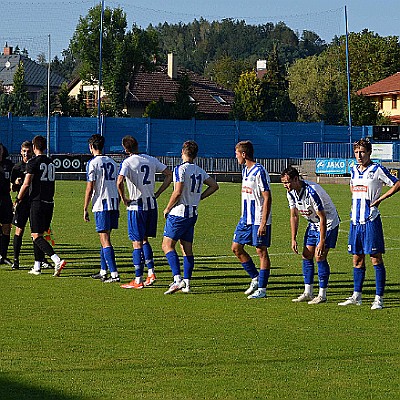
(18, 102)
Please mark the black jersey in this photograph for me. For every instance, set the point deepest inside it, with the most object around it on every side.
(43, 182)
(6, 166)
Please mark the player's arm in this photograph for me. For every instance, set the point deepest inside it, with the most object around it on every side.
(88, 196)
(121, 190)
(294, 226)
(322, 232)
(167, 181)
(15, 180)
(176, 194)
(24, 188)
(394, 189)
(266, 209)
(212, 187)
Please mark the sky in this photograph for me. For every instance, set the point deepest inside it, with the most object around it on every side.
(46, 26)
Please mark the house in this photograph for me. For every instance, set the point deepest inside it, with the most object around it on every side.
(35, 75)
(212, 101)
(386, 94)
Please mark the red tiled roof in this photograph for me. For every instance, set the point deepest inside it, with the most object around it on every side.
(389, 85)
(150, 86)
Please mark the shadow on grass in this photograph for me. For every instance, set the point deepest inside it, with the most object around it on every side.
(10, 390)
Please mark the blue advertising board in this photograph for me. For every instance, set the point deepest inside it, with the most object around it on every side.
(334, 166)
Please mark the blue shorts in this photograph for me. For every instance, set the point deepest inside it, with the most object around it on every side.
(247, 234)
(312, 236)
(106, 220)
(366, 238)
(142, 224)
(180, 228)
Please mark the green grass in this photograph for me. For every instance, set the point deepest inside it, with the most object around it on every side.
(75, 338)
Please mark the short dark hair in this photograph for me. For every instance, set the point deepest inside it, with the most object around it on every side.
(190, 148)
(40, 142)
(291, 172)
(97, 141)
(130, 144)
(247, 147)
(363, 143)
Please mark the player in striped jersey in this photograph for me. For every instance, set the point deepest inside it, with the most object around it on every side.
(139, 172)
(366, 233)
(101, 188)
(310, 200)
(254, 227)
(181, 215)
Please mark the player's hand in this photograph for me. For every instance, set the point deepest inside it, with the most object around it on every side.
(376, 203)
(166, 212)
(86, 216)
(320, 250)
(295, 247)
(127, 202)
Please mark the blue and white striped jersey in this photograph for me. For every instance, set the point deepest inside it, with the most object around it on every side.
(139, 171)
(366, 187)
(254, 181)
(192, 177)
(312, 198)
(102, 170)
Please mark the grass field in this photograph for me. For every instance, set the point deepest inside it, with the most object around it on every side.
(75, 338)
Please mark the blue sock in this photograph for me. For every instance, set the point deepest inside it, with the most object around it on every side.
(188, 266)
(173, 261)
(103, 263)
(359, 276)
(137, 258)
(323, 273)
(308, 271)
(109, 256)
(380, 279)
(148, 255)
(263, 278)
(250, 268)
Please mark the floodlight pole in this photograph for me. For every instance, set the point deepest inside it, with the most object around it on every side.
(48, 100)
(348, 73)
(99, 122)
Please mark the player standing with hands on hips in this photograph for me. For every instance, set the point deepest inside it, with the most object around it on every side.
(254, 227)
(312, 202)
(366, 233)
(181, 215)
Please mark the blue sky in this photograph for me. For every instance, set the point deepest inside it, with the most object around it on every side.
(28, 23)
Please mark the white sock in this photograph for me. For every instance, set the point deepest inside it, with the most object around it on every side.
(55, 258)
(187, 282)
(114, 274)
(308, 289)
(138, 279)
(37, 265)
(322, 292)
(357, 295)
(150, 271)
(177, 278)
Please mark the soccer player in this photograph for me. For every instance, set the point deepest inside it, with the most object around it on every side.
(40, 182)
(181, 215)
(139, 171)
(366, 233)
(101, 189)
(6, 205)
(21, 212)
(254, 227)
(312, 202)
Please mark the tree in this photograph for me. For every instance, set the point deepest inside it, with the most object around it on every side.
(18, 102)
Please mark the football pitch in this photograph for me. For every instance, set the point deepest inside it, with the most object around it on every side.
(74, 337)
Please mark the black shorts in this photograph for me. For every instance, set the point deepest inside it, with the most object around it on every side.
(40, 216)
(21, 214)
(6, 209)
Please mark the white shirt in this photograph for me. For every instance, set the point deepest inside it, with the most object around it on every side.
(311, 199)
(192, 177)
(102, 170)
(139, 171)
(254, 182)
(366, 187)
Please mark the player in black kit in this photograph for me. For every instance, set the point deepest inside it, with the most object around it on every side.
(40, 181)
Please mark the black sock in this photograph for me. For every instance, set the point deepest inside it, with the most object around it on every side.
(17, 244)
(44, 246)
(5, 241)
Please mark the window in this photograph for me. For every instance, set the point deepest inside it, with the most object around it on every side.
(218, 99)
(394, 102)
